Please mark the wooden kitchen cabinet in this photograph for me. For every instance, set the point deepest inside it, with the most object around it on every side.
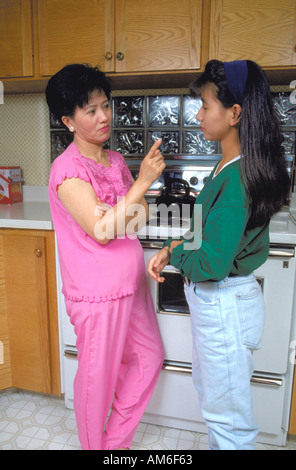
(16, 47)
(72, 31)
(164, 42)
(153, 35)
(29, 319)
(120, 35)
(259, 30)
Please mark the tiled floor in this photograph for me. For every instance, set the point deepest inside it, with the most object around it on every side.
(34, 421)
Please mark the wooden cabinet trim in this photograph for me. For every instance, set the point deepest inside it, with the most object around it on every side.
(27, 37)
(293, 61)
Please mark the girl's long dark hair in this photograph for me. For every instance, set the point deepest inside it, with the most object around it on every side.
(263, 164)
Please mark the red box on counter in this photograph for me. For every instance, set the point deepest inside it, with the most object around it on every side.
(11, 189)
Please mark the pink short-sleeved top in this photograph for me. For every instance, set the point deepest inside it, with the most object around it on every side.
(90, 271)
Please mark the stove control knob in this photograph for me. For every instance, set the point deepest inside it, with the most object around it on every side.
(193, 181)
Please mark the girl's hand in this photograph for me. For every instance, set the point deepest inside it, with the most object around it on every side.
(153, 165)
(158, 263)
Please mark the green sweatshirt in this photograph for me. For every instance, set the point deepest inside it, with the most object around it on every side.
(226, 246)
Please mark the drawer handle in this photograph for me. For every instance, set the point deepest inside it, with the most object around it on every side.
(174, 367)
(186, 368)
(37, 253)
(266, 381)
(70, 353)
(281, 253)
(152, 245)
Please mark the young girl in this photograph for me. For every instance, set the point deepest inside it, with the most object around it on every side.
(244, 190)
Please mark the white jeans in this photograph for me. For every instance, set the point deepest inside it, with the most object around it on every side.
(227, 320)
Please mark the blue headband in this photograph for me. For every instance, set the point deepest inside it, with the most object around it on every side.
(236, 76)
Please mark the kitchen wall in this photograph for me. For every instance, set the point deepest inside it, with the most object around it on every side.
(25, 136)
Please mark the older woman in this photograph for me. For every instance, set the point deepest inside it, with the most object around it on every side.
(120, 352)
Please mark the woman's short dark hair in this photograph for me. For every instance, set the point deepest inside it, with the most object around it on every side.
(72, 87)
(263, 163)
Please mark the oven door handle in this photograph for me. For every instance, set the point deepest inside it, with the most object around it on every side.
(271, 381)
(151, 245)
(180, 367)
(171, 270)
(186, 368)
(281, 252)
(72, 353)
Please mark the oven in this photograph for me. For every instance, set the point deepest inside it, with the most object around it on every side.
(276, 279)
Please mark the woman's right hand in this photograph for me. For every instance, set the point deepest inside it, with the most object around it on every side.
(153, 165)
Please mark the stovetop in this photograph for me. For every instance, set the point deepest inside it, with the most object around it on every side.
(195, 175)
(282, 228)
(161, 230)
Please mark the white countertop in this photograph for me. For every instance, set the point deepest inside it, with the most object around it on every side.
(32, 213)
(283, 229)
(36, 215)
(27, 215)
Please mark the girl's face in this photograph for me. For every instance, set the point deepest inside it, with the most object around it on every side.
(215, 120)
(92, 123)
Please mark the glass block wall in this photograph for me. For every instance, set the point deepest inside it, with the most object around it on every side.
(140, 119)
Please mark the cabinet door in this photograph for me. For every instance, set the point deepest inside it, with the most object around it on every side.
(153, 35)
(255, 29)
(73, 31)
(27, 311)
(16, 53)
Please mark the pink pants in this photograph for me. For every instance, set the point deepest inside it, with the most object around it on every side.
(120, 356)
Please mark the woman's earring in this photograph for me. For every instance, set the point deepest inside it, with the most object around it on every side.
(71, 129)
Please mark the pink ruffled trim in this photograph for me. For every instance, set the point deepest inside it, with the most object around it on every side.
(62, 178)
(101, 298)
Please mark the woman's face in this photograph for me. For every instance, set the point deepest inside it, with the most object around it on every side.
(214, 118)
(92, 123)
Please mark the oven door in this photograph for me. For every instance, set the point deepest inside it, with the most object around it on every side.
(277, 278)
(173, 317)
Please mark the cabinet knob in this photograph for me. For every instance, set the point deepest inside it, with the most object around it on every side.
(120, 56)
(108, 56)
(37, 253)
